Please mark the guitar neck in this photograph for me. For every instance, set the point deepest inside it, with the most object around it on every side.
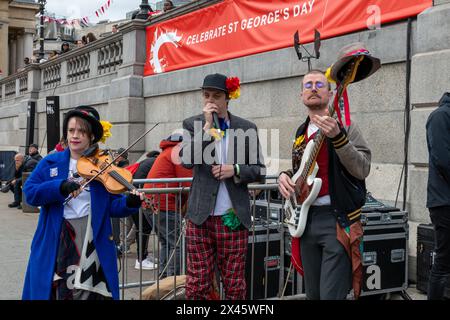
(320, 137)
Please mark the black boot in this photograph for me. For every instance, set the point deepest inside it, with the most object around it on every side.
(14, 204)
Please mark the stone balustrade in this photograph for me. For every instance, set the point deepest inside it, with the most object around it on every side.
(101, 57)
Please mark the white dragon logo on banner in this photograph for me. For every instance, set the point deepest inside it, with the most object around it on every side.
(158, 64)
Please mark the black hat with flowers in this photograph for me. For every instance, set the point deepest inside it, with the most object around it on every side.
(89, 114)
(231, 86)
(215, 81)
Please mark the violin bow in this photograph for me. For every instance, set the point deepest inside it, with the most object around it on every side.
(112, 161)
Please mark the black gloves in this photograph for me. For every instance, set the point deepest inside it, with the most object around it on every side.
(133, 201)
(67, 187)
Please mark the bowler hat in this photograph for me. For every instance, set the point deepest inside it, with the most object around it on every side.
(366, 68)
(89, 114)
(215, 81)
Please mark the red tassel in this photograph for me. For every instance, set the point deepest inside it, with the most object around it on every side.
(296, 257)
(337, 109)
(348, 121)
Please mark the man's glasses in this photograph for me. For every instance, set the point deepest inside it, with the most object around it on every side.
(318, 84)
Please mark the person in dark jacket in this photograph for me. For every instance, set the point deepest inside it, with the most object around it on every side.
(218, 214)
(65, 47)
(146, 165)
(168, 5)
(23, 164)
(438, 194)
(33, 151)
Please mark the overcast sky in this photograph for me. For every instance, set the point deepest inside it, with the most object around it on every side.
(73, 9)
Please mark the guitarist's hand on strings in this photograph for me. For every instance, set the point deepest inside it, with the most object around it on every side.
(327, 125)
(285, 185)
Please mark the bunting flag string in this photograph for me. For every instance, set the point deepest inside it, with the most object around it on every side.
(86, 19)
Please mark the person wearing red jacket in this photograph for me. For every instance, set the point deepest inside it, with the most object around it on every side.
(168, 165)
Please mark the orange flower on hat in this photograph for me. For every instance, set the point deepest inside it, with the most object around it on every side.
(233, 85)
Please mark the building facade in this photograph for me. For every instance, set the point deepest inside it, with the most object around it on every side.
(17, 29)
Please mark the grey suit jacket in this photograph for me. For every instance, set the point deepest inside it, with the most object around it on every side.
(243, 149)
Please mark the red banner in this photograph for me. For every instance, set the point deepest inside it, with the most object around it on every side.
(236, 28)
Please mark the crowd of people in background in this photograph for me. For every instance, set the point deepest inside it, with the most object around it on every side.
(65, 48)
(23, 163)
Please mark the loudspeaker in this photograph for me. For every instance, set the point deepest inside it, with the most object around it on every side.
(263, 263)
(7, 165)
(52, 110)
(425, 257)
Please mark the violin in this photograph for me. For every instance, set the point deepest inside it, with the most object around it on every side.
(98, 165)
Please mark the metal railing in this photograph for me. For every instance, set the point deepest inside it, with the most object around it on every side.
(266, 267)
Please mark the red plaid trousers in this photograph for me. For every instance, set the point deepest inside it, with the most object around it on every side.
(212, 240)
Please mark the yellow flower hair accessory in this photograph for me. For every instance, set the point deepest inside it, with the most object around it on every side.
(233, 85)
(106, 133)
(328, 75)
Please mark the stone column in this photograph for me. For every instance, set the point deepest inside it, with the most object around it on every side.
(4, 48)
(28, 43)
(4, 26)
(19, 55)
(430, 76)
(12, 55)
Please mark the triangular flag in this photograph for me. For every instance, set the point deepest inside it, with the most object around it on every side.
(96, 12)
(103, 10)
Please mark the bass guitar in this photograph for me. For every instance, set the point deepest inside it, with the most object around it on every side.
(307, 185)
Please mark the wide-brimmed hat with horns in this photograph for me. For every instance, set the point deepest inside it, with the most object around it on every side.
(367, 66)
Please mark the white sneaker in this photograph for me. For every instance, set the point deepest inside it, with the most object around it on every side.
(146, 265)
